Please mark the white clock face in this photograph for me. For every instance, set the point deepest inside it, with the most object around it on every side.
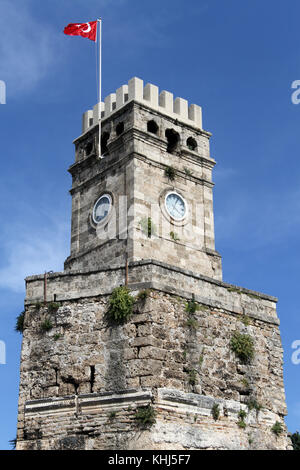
(101, 208)
(175, 206)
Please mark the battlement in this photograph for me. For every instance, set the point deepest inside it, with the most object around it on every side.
(149, 95)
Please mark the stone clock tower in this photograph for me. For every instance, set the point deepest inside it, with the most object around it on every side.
(198, 364)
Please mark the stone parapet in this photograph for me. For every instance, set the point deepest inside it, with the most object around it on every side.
(73, 285)
(135, 90)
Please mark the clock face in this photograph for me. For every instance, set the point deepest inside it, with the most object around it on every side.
(101, 208)
(175, 206)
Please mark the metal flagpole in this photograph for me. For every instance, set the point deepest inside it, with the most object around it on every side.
(100, 91)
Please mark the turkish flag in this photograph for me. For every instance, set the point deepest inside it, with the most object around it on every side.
(86, 30)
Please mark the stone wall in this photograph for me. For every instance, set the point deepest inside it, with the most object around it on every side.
(83, 380)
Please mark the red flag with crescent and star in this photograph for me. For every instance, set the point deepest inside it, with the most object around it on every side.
(86, 30)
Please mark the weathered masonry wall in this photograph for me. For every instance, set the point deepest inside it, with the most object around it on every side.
(83, 380)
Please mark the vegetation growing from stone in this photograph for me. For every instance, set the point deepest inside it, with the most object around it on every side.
(148, 226)
(20, 322)
(241, 422)
(192, 374)
(145, 416)
(13, 443)
(170, 173)
(296, 440)
(46, 325)
(192, 323)
(245, 382)
(191, 307)
(143, 295)
(243, 346)
(53, 307)
(253, 404)
(253, 296)
(215, 411)
(187, 171)
(201, 358)
(277, 428)
(246, 320)
(174, 236)
(120, 306)
(112, 415)
(233, 289)
(38, 305)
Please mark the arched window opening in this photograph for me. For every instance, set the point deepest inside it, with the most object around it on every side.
(120, 128)
(104, 139)
(152, 127)
(89, 148)
(191, 143)
(173, 140)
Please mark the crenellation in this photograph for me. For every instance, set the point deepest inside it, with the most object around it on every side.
(150, 96)
(121, 96)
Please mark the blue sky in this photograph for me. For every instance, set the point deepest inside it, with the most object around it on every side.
(235, 59)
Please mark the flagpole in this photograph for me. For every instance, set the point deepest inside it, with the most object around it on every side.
(100, 91)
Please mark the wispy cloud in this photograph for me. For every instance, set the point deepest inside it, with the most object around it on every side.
(33, 248)
(223, 174)
(27, 47)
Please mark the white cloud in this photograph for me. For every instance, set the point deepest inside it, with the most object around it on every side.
(28, 250)
(27, 47)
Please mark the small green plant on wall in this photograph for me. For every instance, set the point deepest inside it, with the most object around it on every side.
(201, 357)
(215, 411)
(147, 226)
(192, 374)
(243, 346)
(53, 307)
(253, 404)
(170, 173)
(46, 325)
(120, 305)
(143, 295)
(241, 422)
(174, 236)
(277, 428)
(145, 416)
(192, 323)
(20, 322)
(191, 306)
(112, 415)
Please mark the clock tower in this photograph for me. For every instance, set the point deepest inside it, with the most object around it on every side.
(197, 362)
(149, 196)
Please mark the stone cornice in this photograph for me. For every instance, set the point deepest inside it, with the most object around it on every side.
(149, 262)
